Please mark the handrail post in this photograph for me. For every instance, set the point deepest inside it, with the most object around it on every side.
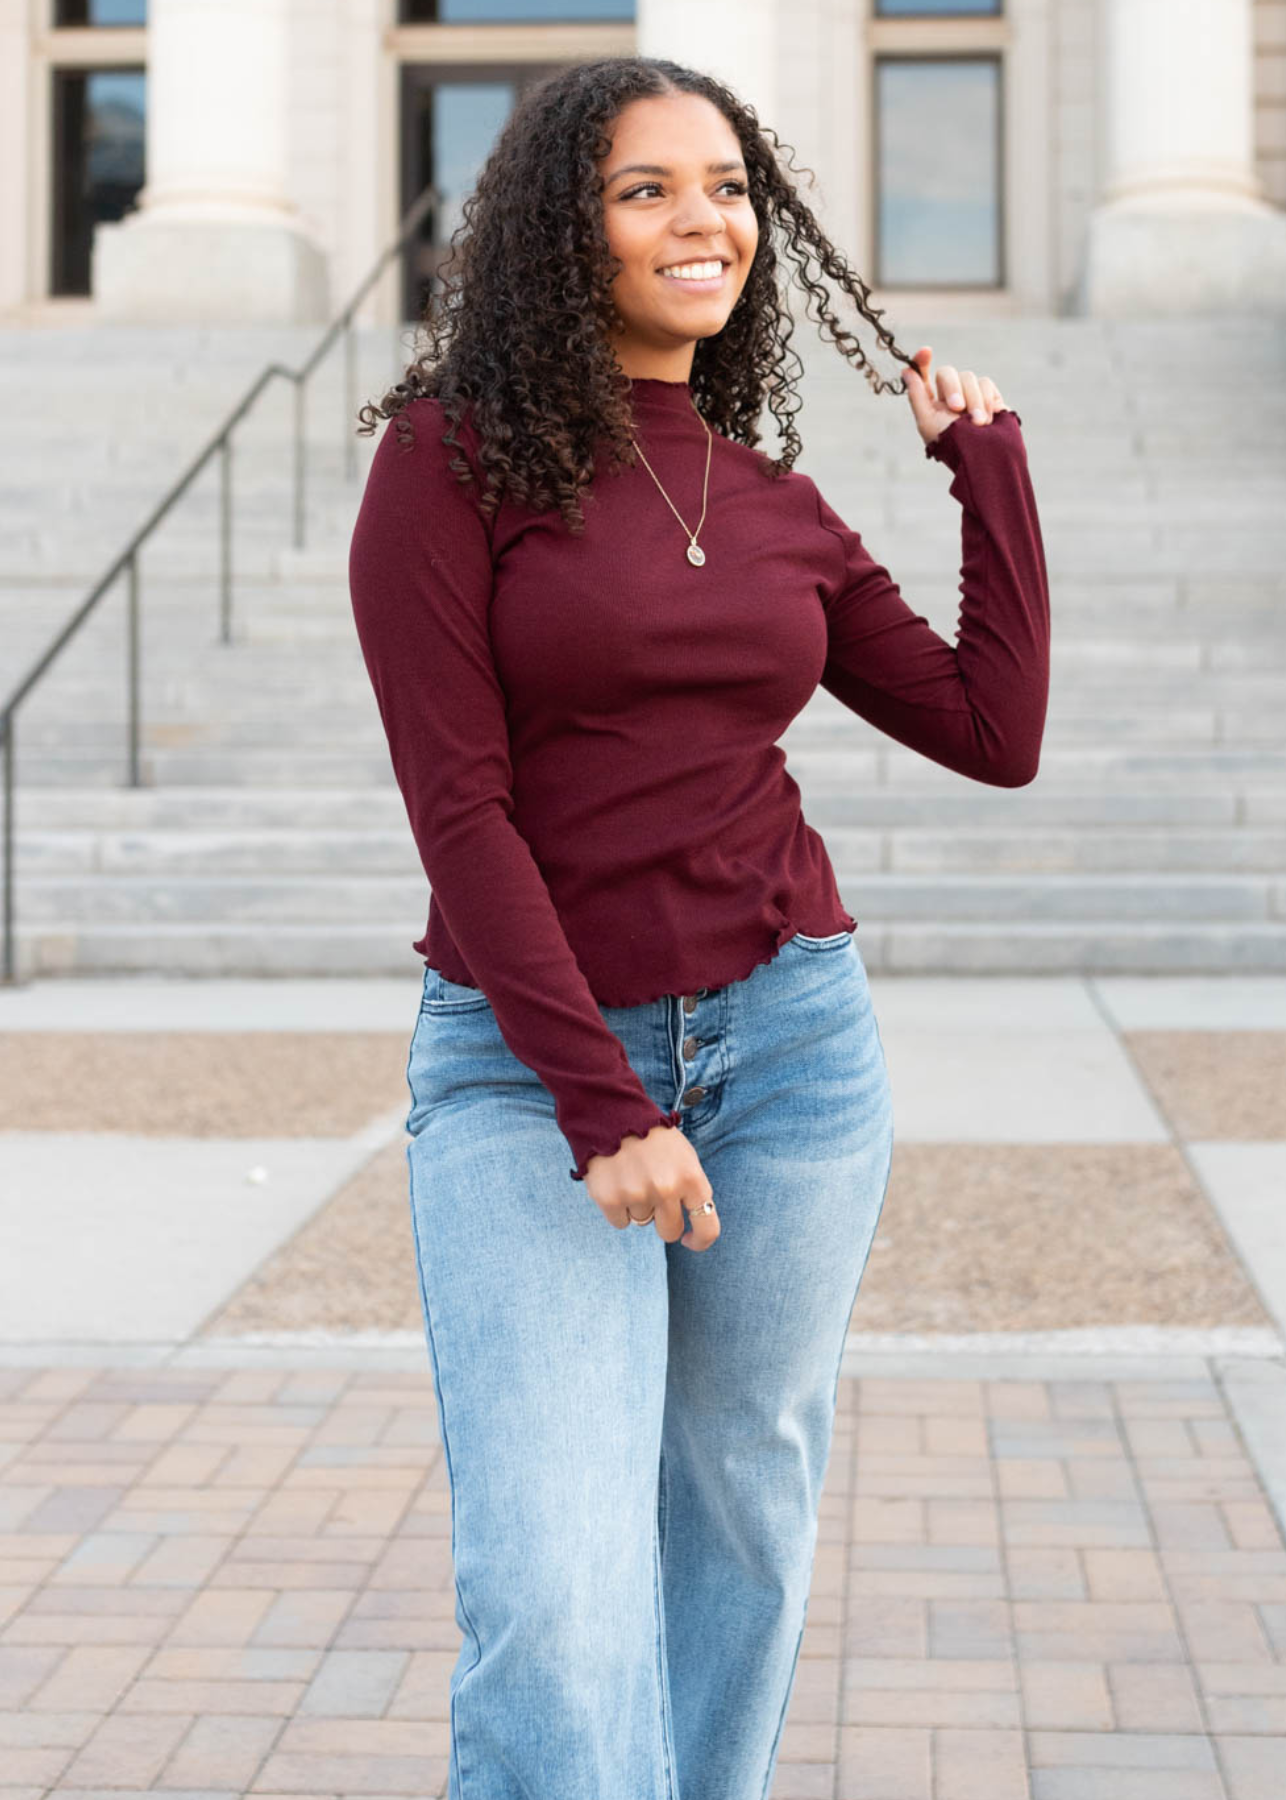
(299, 462)
(127, 559)
(225, 538)
(133, 659)
(6, 740)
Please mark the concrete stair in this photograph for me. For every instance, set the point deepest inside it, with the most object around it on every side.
(269, 836)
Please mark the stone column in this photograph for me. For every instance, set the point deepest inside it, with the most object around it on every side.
(1182, 226)
(215, 238)
(733, 40)
(15, 77)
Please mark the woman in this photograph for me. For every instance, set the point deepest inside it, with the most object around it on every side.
(589, 607)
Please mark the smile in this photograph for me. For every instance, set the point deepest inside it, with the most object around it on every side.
(696, 277)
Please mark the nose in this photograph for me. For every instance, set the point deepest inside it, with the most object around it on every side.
(696, 245)
(702, 215)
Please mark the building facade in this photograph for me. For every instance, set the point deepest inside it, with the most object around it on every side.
(248, 160)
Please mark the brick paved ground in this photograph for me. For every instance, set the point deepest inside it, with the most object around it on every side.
(224, 1517)
(220, 1581)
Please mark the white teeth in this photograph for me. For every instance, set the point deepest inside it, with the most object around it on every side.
(694, 271)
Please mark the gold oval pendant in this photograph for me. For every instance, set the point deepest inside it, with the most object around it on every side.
(696, 554)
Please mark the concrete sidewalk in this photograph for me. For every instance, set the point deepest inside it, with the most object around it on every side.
(1053, 1556)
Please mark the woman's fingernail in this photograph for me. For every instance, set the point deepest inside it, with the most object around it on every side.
(980, 414)
(955, 400)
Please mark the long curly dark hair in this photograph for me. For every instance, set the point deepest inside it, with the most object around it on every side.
(519, 330)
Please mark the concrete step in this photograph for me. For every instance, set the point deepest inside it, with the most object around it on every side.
(1167, 895)
(1109, 624)
(1203, 602)
(1154, 837)
(865, 763)
(309, 648)
(252, 731)
(236, 686)
(1192, 769)
(919, 948)
(317, 709)
(185, 665)
(277, 810)
(1077, 554)
(341, 849)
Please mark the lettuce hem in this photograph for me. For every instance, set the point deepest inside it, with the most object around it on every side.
(782, 934)
(934, 450)
(608, 1148)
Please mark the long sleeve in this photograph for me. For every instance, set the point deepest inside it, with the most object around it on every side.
(978, 706)
(421, 580)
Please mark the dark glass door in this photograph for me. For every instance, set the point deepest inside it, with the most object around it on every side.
(98, 129)
(451, 116)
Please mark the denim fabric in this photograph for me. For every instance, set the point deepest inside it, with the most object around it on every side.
(636, 1433)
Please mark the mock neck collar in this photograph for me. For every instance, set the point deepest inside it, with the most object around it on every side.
(651, 394)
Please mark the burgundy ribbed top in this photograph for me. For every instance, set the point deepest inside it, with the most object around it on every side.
(584, 730)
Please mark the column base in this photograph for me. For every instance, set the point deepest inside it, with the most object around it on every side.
(208, 272)
(1183, 260)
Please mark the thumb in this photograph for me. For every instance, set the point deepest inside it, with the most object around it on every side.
(918, 394)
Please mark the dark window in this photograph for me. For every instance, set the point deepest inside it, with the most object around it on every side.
(100, 12)
(511, 12)
(98, 119)
(450, 120)
(937, 171)
(938, 9)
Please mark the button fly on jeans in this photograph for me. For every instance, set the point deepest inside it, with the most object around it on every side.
(692, 1095)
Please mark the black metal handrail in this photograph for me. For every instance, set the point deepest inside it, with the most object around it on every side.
(220, 444)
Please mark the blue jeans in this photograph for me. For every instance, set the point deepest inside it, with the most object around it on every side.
(636, 1433)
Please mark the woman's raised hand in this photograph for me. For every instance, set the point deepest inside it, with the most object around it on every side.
(956, 393)
(653, 1178)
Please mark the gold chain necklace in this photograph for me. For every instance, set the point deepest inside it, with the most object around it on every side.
(696, 555)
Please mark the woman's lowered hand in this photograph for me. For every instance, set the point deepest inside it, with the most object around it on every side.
(648, 1181)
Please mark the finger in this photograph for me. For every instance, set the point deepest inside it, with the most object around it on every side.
(949, 391)
(617, 1208)
(921, 362)
(919, 392)
(916, 391)
(991, 393)
(703, 1230)
(669, 1216)
(972, 390)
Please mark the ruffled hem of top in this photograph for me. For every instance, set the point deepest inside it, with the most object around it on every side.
(609, 1148)
(934, 449)
(784, 932)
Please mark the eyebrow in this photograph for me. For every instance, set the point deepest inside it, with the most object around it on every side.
(714, 168)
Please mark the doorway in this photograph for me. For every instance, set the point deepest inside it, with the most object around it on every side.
(451, 115)
(98, 117)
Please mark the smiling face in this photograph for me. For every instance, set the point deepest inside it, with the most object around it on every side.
(675, 204)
